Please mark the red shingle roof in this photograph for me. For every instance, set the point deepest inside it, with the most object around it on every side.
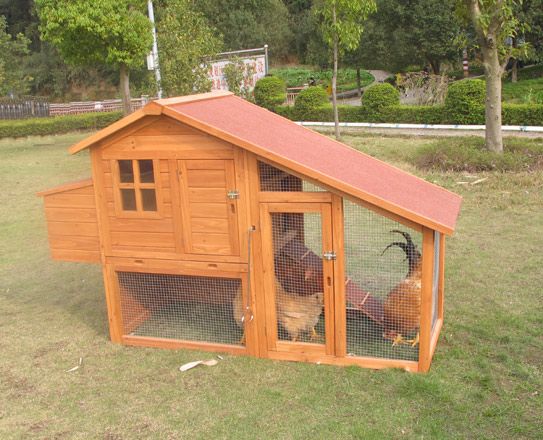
(323, 159)
(319, 157)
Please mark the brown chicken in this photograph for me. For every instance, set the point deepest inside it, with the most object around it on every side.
(298, 314)
(402, 306)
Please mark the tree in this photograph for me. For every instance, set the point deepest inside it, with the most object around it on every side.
(12, 78)
(185, 40)
(403, 33)
(494, 21)
(111, 32)
(246, 24)
(530, 15)
(342, 25)
(533, 34)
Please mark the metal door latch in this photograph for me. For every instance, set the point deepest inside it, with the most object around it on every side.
(233, 194)
(330, 256)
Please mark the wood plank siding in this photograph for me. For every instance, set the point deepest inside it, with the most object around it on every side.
(72, 225)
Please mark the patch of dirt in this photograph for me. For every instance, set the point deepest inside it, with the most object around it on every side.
(17, 386)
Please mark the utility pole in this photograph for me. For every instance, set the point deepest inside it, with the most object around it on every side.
(154, 52)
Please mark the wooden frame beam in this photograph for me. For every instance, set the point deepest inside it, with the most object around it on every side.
(425, 357)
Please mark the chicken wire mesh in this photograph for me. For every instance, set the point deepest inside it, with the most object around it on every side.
(180, 307)
(382, 265)
(274, 179)
(299, 297)
(435, 280)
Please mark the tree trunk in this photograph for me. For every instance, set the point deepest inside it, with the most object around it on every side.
(125, 89)
(334, 79)
(493, 108)
(514, 71)
(488, 41)
(358, 82)
(436, 66)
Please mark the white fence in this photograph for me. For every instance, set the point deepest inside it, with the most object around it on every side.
(108, 105)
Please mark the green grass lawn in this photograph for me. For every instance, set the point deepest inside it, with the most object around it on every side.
(486, 380)
(528, 91)
(299, 75)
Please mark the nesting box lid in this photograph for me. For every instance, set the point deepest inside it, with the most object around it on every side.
(306, 152)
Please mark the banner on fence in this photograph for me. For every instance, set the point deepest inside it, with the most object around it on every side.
(255, 62)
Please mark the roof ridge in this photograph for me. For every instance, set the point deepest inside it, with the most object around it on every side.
(192, 98)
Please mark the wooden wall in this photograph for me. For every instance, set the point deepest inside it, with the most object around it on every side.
(140, 234)
(196, 221)
(70, 211)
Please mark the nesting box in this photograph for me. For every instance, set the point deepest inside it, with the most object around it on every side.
(224, 227)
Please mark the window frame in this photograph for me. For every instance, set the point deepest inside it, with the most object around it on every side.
(137, 186)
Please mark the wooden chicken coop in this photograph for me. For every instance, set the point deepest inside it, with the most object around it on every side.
(224, 227)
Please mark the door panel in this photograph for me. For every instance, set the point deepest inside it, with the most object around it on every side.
(210, 218)
(299, 282)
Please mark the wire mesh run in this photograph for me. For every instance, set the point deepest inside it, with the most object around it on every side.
(299, 297)
(182, 307)
(383, 285)
(274, 179)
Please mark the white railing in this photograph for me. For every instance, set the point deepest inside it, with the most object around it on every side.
(107, 105)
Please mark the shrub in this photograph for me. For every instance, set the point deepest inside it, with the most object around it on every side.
(522, 114)
(465, 102)
(57, 125)
(471, 156)
(309, 100)
(412, 114)
(270, 92)
(380, 96)
(513, 114)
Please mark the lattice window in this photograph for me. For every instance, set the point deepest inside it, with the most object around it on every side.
(182, 307)
(136, 187)
(383, 286)
(274, 179)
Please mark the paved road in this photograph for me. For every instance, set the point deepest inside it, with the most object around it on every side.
(426, 132)
(379, 75)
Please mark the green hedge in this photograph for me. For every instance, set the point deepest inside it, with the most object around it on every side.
(380, 95)
(57, 125)
(270, 92)
(513, 114)
(465, 101)
(522, 114)
(308, 100)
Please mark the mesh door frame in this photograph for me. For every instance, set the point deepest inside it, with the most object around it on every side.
(197, 269)
(297, 350)
(428, 336)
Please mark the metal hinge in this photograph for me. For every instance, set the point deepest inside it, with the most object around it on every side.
(233, 194)
(330, 256)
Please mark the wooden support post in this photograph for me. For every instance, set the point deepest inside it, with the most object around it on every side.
(426, 299)
(113, 304)
(339, 277)
(256, 270)
(441, 285)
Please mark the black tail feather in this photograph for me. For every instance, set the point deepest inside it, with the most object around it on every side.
(410, 249)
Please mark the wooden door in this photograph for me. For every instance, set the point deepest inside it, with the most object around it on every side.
(209, 207)
(299, 277)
